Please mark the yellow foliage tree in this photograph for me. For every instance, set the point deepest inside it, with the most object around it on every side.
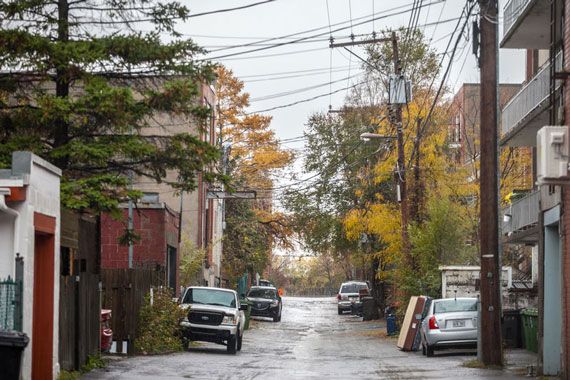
(255, 156)
(255, 150)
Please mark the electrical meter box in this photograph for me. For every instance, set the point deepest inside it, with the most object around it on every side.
(552, 148)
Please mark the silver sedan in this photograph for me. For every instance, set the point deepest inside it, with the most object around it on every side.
(449, 323)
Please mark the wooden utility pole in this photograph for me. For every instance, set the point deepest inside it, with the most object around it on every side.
(396, 119)
(416, 205)
(490, 347)
(401, 169)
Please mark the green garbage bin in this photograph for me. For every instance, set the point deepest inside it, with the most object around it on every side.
(247, 313)
(530, 329)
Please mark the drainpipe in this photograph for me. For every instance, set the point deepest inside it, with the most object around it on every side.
(4, 208)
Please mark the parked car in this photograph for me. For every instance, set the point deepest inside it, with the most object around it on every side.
(265, 302)
(214, 315)
(263, 282)
(449, 323)
(349, 295)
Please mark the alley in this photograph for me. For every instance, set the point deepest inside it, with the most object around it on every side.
(311, 342)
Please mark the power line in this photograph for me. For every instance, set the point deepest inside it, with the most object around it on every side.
(230, 9)
(304, 100)
(307, 31)
(316, 35)
(340, 161)
(297, 91)
(300, 51)
(467, 10)
(272, 55)
(295, 76)
(291, 72)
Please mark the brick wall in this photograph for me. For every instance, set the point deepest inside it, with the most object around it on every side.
(155, 227)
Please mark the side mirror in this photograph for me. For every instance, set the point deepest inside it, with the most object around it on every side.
(243, 306)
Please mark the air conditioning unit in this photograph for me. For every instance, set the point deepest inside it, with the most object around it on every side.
(553, 149)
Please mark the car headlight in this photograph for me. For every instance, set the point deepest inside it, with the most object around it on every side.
(229, 320)
(274, 303)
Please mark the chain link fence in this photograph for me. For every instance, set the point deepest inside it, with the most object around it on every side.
(10, 305)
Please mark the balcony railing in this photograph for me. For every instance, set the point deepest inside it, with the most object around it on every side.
(522, 214)
(533, 94)
(512, 11)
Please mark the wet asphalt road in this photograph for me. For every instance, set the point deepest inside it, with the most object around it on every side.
(311, 342)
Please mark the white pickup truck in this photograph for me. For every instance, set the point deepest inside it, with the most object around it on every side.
(214, 315)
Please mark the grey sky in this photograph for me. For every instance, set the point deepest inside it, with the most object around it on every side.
(289, 16)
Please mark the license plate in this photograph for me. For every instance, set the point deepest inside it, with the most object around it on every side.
(458, 324)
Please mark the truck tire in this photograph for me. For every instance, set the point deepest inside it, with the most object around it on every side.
(239, 342)
(232, 344)
(429, 351)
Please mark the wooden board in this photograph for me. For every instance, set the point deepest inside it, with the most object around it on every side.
(407, 322)
(411, 324)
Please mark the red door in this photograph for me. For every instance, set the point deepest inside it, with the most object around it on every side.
(42, 325)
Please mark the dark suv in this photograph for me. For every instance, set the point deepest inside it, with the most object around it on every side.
(265, 302)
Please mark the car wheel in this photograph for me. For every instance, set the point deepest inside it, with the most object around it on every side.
(423, 349)
(239, 342)
(232, 344)
(429, 350)
(339, 311)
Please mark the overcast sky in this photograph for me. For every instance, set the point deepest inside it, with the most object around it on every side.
(260, 69)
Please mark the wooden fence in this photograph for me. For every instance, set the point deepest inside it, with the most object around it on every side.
(79, 320)
(123, 292)
(79, 297)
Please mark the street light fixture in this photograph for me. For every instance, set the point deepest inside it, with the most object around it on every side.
(369, 136)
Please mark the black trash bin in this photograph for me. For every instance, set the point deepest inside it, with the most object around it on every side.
(512, 328)
(369, 309)
(12, 343)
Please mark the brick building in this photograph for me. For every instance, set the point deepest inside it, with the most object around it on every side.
(157, 226)
(463, 131)
(201, 218)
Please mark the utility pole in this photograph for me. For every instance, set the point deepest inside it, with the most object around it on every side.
(396, 119)
(490, 347)
(416, 205)
(401, 169)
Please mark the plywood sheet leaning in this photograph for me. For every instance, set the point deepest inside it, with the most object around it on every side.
(408, 317)
(411, 325)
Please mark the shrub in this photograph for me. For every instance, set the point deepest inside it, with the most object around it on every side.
(93, 361)
(159, 324)
(68, 375)
(191, 260)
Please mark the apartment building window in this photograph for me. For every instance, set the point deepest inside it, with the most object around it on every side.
(150, 198)
(458, 127)
(209, 124)
(206, 225)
